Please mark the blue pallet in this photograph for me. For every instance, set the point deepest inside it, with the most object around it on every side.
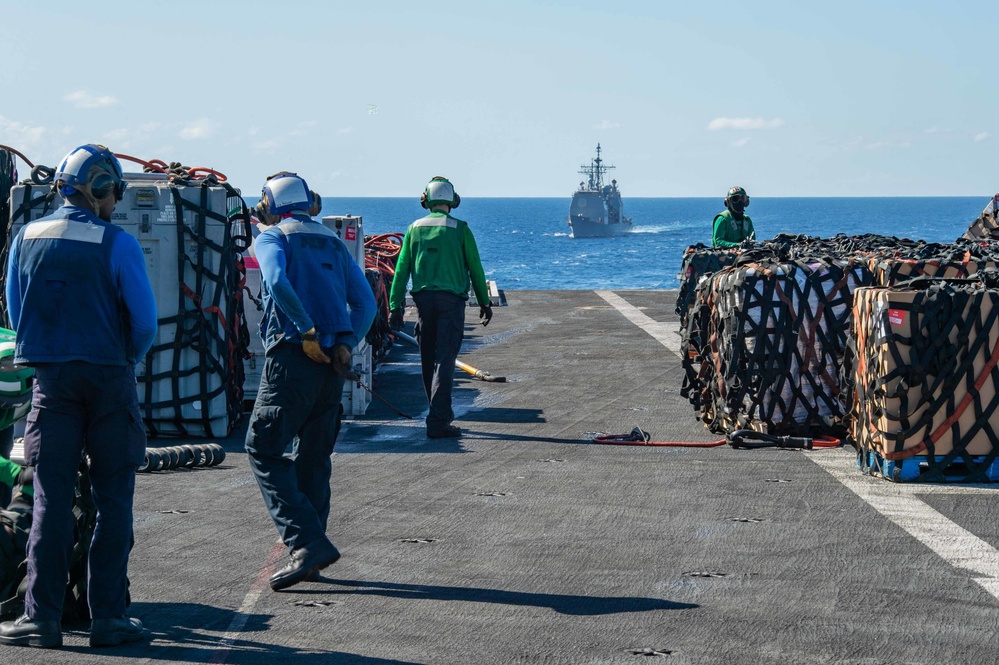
(923, 468)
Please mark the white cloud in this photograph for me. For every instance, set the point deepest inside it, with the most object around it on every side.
(936, 130)
(15, 132)
(864, 143)
(116, 136)
(741, 143)
(267, 146)
(607, 124)
(201, 128)
(84, 99)
(303, 128)
(345, 130)
(335, 175)
(981, 136)
(128, 137)
(745, 123)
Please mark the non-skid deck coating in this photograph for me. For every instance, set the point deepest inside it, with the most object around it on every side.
(523, 542)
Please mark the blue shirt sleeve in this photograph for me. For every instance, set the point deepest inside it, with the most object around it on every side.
(362, 306)
(13, 285)
(129, 268)
(269, 248)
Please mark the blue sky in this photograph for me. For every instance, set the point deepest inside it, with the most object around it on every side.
(874, 98)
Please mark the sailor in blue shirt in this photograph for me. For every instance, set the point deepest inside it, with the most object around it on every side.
(309, 279)
(81, 304)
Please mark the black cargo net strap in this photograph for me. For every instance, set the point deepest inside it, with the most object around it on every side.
(771, 357)
(214, 328)
(986, 226)
(764, 345)
(38, 201)
(953, 328)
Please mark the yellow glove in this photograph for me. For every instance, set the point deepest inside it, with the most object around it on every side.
(310, 344)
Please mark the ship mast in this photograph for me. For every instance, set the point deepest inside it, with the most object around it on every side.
(595, 172)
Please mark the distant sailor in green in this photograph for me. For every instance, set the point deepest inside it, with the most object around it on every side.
(440, 254)
(733, 225)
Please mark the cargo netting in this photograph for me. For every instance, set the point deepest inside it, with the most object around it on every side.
(766, 327)
(209, 319)
(924, 378)
(191, 382)
(986, 226)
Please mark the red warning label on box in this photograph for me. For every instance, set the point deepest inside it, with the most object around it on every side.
(896, 317)
(350, 233)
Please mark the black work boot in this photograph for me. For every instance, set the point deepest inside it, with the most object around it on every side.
(304, 562)
(112, 632)
(446, 432)
(26, 632)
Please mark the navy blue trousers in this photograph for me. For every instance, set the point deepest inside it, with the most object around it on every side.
(299, 403)
(440, 328)
(79, 407)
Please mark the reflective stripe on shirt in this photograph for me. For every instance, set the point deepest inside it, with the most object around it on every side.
(289, 228)
(63, 229)
(449, 222)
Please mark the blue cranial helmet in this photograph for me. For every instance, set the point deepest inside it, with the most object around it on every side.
(285, 192)
(94, 166)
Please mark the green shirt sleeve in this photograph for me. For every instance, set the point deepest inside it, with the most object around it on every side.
(403, 266)
(475, 272)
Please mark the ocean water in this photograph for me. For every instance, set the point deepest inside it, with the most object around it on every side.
(525, 243)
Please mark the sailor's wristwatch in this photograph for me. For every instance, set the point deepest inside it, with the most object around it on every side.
(310, 336)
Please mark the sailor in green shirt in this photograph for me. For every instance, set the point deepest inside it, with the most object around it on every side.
(733, 226)
(440, 254)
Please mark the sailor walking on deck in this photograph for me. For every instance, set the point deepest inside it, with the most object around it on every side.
(80, 301)
(309, 280)
(440, 254)
(733, 225)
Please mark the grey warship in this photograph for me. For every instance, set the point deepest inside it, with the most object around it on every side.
(595, 210)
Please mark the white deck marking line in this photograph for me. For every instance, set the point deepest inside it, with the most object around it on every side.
(953, 543)
(257, 589)
(664, 333)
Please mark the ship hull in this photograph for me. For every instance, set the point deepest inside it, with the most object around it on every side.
(587, 228)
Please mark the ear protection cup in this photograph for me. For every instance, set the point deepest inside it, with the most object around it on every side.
(423, 200)
(101, 186)
(263, 213)
(457, 201)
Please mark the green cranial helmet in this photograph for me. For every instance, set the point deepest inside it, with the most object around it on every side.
(737, 196)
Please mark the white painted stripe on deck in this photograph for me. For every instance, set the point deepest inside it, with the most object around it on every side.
(897, 502)
(953, 543)
(238, 623)
(666, 334)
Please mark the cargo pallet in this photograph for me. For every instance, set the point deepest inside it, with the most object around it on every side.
(931, 469)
